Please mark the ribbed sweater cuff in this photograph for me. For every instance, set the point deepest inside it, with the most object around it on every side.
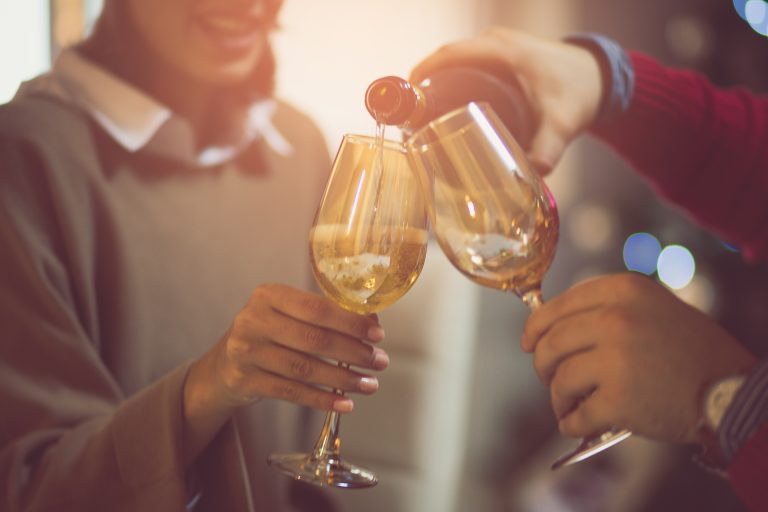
(616, 73)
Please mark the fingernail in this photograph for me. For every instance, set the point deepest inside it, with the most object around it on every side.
(343, 405)
(380, 359)
(368, 384)
(376, 333)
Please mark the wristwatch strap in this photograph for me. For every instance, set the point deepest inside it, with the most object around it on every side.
(747, 412)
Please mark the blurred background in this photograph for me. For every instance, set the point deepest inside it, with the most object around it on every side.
(461, 422)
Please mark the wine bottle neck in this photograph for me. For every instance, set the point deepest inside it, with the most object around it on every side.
(394, 101)
(417, 116)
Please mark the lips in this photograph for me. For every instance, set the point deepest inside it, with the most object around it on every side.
(231, 30)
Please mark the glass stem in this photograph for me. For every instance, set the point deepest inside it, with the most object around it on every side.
(533, 298)
(328, 444)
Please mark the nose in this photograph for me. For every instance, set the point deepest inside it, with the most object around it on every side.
(257, 7)
(266, 9)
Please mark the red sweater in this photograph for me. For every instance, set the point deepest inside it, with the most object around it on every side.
(705, 149)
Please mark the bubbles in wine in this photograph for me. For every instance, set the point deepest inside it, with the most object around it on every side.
(360, 272)
(360, 276)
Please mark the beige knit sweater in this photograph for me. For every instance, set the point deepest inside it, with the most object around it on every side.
(116, 270)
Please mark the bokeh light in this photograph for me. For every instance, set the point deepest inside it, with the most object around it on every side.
(700, 293)
(740, 6)
(591, 227)
(676, 266)
(689, 37)
(641, 253)
(754, 12)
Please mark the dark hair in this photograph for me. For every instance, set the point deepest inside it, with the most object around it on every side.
(116, 45)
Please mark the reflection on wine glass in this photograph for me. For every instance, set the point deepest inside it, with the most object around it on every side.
(367, 247)
(493, 217)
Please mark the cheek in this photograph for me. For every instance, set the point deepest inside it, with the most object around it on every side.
(183, 46)
(191, 52)
(163, 26)
(244, 68)
(208, 63)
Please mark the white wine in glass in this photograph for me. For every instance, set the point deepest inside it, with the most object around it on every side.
(493, 216)
(367, 248)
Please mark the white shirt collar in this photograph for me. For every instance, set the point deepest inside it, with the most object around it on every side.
(137, 121)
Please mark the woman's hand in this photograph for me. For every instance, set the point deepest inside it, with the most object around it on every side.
(622, 351)
(561, 81)
(276, 348)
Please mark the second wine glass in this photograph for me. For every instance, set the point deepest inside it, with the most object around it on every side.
(367, 248)
(493, 216)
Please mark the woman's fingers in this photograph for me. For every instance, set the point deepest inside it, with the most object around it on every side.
(252, 331)
(263, 384)
(281, 343)
(318, 311)
(301, 367)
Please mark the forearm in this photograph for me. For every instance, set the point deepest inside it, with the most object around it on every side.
(124, 458)
(701, 147)
(204, 411)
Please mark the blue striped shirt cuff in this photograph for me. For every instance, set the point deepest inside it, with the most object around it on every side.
(616, 70)
(746, 414)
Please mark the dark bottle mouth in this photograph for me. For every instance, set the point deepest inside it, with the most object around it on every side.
(390, 100)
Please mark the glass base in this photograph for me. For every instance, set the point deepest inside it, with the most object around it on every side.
(591, 446)
(324, 471)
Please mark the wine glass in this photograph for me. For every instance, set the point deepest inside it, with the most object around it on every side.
(493, 217)
(367, 247)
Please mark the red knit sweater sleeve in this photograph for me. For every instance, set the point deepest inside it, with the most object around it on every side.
(749, 469)
(703, 148)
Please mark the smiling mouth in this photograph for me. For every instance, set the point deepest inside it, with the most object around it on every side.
(233, 30)
(228, 25)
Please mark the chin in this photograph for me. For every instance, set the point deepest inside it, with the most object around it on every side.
(231, 74)
(226, 69)
(221, 73)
